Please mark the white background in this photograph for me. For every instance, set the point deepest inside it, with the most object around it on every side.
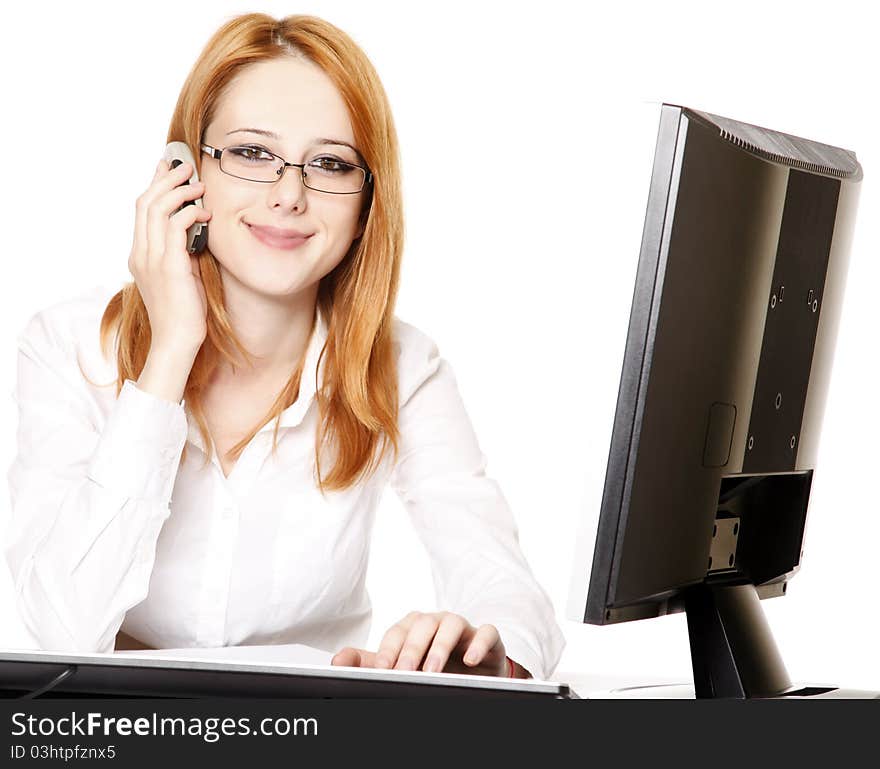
(527, 135)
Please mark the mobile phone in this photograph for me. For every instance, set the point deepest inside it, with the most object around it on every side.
(196, 235)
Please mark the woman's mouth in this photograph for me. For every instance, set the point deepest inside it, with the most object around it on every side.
(269, 238)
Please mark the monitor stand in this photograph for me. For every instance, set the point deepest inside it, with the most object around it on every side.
(733, 651)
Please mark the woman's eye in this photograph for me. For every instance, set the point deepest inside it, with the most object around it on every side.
(330, 164)
(251, 153)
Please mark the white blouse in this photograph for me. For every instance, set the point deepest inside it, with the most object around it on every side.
(109, 530)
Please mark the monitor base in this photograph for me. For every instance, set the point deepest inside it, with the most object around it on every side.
(687, 692)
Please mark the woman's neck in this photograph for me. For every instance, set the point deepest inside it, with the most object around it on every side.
(275, 331)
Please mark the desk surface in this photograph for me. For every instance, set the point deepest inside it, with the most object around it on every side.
(613, 685)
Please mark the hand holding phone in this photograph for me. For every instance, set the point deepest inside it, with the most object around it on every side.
(165, 271)
(177, 153)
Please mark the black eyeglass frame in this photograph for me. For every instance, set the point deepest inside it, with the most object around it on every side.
(218, 153)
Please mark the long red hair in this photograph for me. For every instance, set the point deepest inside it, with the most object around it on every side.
(358, 399)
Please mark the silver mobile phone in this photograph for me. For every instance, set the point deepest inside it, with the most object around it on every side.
(196, 235)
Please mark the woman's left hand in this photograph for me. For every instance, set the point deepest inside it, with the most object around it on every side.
(439, 641)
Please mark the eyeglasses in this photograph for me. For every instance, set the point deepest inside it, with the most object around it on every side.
(323, 173)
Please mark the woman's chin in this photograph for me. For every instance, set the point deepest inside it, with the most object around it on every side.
(273, 284)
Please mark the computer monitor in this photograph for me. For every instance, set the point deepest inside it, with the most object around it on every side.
(731, 336)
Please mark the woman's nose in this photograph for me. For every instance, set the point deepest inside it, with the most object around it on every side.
(290, 187)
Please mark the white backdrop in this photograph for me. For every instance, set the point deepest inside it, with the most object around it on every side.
(527, 134)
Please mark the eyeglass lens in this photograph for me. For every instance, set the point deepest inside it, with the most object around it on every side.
(322, 173)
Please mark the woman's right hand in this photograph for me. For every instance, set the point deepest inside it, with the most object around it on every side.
(166, 275)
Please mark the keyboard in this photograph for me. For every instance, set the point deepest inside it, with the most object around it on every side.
(25, 673)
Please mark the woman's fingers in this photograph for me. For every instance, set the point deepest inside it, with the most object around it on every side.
(165, 276)
(452, 631)
(446, 641)
(419, 638)
(354, 658)
(164, 213)
(151, 207)
(178, 224)
(484, 640)
(393, 640)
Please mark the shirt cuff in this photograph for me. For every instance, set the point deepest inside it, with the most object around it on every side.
(139, 449)
(521, 652)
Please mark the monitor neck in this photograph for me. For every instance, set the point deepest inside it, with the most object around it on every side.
(732, 649)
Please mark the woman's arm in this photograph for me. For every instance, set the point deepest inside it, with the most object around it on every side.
(88, 503)
(461, 515)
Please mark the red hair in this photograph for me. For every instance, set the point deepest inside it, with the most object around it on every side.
(358, 400)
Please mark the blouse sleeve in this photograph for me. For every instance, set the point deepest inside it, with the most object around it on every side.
(463, 519)
(88, 500)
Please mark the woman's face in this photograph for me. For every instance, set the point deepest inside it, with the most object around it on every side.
(294, 99)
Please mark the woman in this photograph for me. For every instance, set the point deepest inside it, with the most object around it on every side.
(275, 346)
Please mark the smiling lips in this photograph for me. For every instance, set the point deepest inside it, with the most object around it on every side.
(279, 238)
